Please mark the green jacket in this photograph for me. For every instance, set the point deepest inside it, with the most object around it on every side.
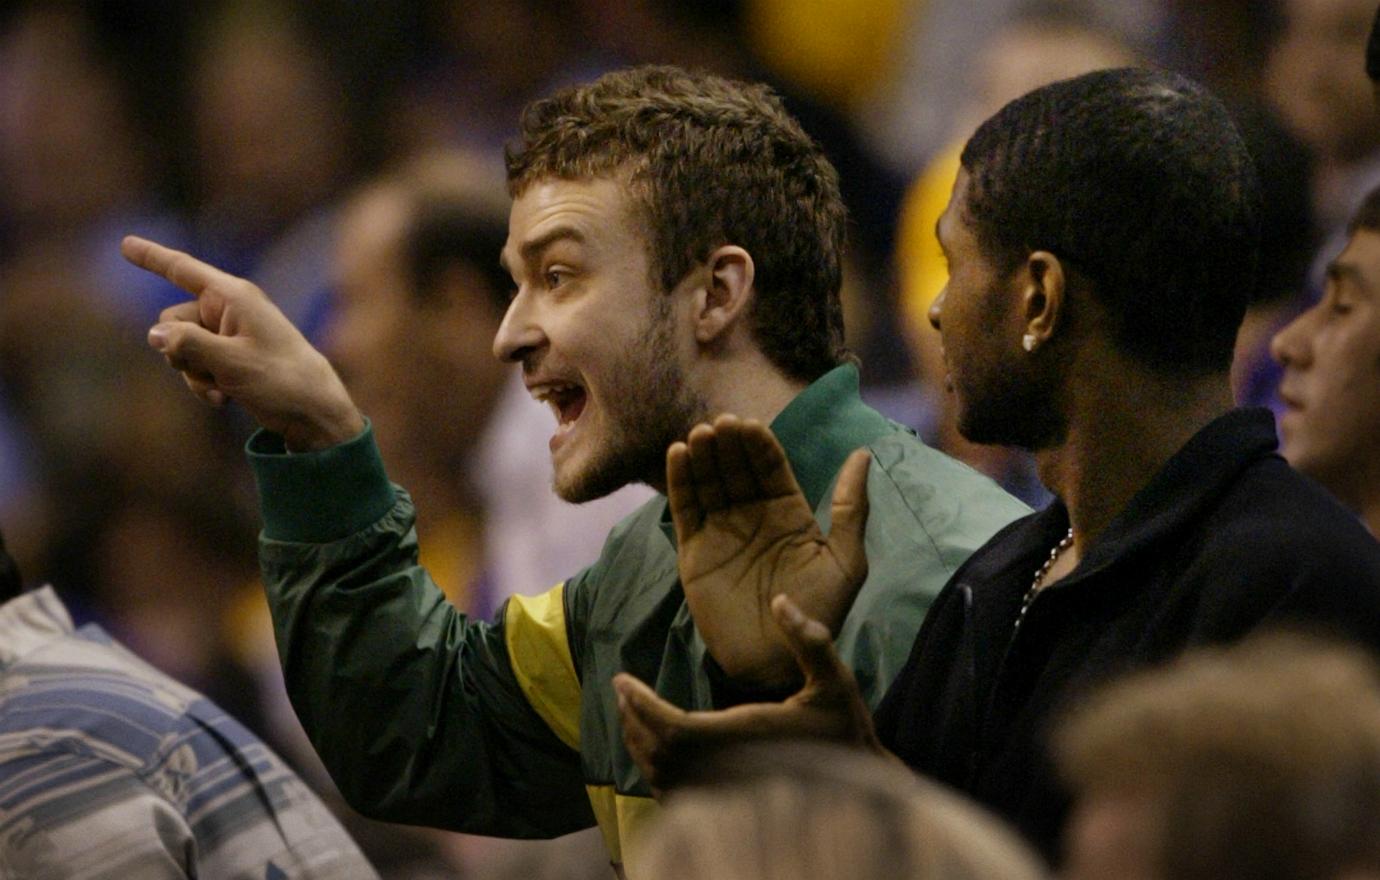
(510, 727)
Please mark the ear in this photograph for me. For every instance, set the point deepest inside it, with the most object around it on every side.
(1042, 298)
(727, 293)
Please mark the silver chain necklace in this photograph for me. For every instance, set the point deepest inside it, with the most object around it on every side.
(1064, 544)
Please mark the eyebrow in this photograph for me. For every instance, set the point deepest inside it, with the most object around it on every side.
(1340, 270)
(528, 250)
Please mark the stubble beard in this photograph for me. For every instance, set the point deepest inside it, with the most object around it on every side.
(1013, 407)
(648, 407)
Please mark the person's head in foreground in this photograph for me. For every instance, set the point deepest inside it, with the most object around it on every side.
(1257, 761)
(675, 241)
(1331, 384)
(1100, 226)
(791, 810)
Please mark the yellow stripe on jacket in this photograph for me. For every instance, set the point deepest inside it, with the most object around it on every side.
(534, 629)
(539, 651)
(622, 818)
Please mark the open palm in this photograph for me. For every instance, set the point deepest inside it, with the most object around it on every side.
(746, 534)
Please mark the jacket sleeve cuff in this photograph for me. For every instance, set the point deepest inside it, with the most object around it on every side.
(322, 496)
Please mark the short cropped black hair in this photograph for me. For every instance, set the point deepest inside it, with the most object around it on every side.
(11, 583)
(1368, 215)
(444, 231)
(1373, 50)
(1140, 182)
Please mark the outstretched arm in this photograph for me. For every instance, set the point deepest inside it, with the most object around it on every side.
(666, 741)
(746, 535)
(419, 712)
(231, 342)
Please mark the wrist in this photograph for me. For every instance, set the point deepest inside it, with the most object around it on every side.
(333, 428)
(327, 416)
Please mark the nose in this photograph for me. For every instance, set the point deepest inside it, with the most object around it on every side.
(937, 307)
(1289, 347)
(520, 334)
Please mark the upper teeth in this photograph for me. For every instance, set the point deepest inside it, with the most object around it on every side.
(547, 392)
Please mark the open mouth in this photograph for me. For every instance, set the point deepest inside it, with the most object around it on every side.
(566, 401)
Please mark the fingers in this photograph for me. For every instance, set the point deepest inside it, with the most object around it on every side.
(195, 352)
(180, 268)
(668, 743)
(849, 516)
(740, 484)
(703, 443)
(710, 471)
(729, 459)
(767, 460)
(649, 725)
(686, 513)
(205, 388)
(183, 311)
(810, 642)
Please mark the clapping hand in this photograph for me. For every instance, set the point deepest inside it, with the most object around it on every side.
(746, 534)
(664, 740)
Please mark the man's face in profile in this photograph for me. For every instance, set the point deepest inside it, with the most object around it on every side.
(1331, 384)
(597, 342)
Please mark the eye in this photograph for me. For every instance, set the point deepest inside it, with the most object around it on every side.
(1340, 304)
(556, 277)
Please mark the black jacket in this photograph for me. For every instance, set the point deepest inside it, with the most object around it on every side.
(1225, 539)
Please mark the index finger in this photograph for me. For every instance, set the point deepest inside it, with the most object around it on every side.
(182, 269)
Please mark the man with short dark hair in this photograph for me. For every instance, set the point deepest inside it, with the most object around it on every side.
(675, 242)
(1101, 242)
(110, 769)
(1331, 385)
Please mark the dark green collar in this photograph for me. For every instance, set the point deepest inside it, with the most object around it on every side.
(818, 429)
(822, 425)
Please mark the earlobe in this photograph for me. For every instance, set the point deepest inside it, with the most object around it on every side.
(1043, 298)
(727, 294)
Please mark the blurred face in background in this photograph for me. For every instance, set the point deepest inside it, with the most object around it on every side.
(1316, 77)
(268, 121)
(1331, 384)
(66, 149)
(419, 365)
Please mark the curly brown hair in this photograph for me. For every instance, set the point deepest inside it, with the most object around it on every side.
(709, 161)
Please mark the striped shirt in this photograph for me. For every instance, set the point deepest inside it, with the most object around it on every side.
(109, 768)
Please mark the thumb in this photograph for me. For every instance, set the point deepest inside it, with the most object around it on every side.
(849, 517)
(809, 641)
(649, 724)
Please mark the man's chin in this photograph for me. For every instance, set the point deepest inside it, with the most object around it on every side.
(578, 482)
(579, 485)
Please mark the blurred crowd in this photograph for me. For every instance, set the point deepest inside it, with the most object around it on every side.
(314, 146)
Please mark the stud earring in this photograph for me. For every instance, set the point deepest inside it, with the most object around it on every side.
(1028, 342)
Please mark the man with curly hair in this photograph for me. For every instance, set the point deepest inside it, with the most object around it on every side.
(675, 242)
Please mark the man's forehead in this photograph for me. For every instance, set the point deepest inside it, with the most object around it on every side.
(594, 201)
(953, 214)
(1360, 259)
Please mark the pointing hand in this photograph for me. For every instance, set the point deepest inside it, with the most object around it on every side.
(232, 342)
